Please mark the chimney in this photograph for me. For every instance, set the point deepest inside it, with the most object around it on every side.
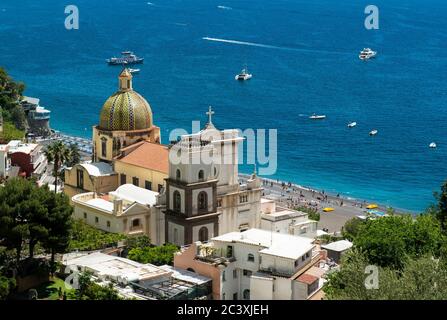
(118, 206)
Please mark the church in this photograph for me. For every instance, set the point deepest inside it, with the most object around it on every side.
(194, 200)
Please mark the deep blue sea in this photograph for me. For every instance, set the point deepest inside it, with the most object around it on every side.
(305, 60)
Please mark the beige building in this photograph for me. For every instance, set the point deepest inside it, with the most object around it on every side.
(143, 164)
(129, 210)
(96, 177)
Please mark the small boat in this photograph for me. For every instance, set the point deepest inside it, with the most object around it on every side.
(134, 70)
(317, 116)
(367, 54)
(244, 75)
(373, 132)
(432, 145)
(127, 57)
(352, 124)
(328, 209)
(372, 206)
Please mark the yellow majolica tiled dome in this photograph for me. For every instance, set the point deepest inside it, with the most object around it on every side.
(125, 110)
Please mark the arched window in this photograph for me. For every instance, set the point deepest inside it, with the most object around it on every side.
(177, 201)
(178, 174)
(203, 234)
(201, 175)
(202, 201)
(135, 223)
(104, 147)
(246, 294)
(251, 257)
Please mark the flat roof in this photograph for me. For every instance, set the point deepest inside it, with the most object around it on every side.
(338, 246)
(273, 243)
(101, 204)
(31, 100)
(133, 193)
(117, 267)
(185, 275)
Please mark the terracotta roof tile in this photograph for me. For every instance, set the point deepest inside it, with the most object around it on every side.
(307, 278)
(149, 155)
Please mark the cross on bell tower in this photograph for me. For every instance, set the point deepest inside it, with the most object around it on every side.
(210, 115)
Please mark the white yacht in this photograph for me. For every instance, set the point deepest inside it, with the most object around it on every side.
(352, 124)
(134, 70)
(432, 145)
(244, 75)
(373, 132)
(367, 54)
(317, 116)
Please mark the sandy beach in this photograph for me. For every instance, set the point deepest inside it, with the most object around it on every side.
(292, 195)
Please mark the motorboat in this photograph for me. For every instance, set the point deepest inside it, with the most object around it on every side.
(134, 70)
(126, 57)
(244, 75)
(373, 132)
(352, 124)
(432, 145)
(367, 54)
(317, 116)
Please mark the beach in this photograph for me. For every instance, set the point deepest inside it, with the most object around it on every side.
(290, 195)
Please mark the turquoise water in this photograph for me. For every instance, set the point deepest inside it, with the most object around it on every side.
(306, 62)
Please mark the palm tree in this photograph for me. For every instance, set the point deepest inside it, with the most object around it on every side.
(75, 156)
(57, 153)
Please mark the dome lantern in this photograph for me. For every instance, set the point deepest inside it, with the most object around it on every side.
(125, 80)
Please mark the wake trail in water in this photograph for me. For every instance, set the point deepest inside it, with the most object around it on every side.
(268, 46)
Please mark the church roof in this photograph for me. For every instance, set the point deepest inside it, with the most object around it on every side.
(125, 110)
(148, 155)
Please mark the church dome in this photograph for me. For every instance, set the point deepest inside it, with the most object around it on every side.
(125, 110)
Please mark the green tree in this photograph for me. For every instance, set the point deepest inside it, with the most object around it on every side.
(352, 228)
(89, 290)
(84, 237)
(59, 154)
(6, 285)
(18, 117)
(75, 156)
(154, 255)
(59, 224)
(441, 210)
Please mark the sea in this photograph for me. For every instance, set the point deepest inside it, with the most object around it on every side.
(303, 55)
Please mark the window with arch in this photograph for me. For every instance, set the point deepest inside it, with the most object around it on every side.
(251, 257)
(178, 174)
(201, 175)
(104, 147)
(135, 223)
(177, 201)
(203, 234)
(202, 200)
(246, 294)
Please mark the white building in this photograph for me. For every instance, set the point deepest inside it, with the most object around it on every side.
(203, 195)
(283, 220)
(256, 264)
(129, 210)
(135, 280)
